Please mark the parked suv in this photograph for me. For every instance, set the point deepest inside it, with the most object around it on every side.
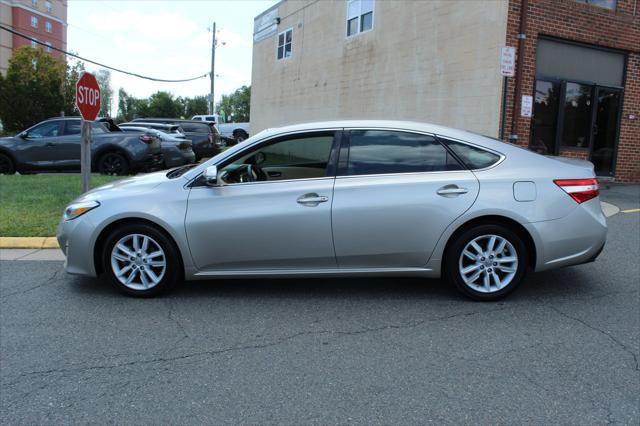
(54, 145)
(204, 135)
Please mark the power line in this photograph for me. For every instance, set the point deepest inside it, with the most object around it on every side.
(162, 80)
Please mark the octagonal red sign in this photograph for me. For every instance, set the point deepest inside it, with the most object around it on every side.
(88, 96)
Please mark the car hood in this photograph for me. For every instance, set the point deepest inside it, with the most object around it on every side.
(126, 187)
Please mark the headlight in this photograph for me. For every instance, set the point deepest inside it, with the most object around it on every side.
(78, 209)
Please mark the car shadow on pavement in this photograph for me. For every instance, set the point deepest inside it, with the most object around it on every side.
(560, 284)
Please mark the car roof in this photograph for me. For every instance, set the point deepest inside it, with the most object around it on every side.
(443, 131)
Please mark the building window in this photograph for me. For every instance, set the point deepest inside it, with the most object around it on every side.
(47, 5)
(34, 22)
(48, 26)
(284, 43)
(359, 16)
(34, 43)
(607, 4)
(48, 47)
(34, 3)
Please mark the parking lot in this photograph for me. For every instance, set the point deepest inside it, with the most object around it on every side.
(563, 348)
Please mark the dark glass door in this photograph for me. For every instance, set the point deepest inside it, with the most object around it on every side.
(604, 129)
(545, 117)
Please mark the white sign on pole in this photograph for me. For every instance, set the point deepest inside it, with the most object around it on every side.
(526, 106)
(507, 61)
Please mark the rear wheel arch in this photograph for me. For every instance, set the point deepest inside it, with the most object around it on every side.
(98, 248)
(507, 222)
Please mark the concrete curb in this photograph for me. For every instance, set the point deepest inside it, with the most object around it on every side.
(28, 242)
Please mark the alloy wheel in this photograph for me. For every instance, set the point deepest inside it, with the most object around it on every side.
(488, 263)
(138, 262)
(112, 164)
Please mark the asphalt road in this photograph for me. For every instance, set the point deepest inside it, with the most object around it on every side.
(563, 349)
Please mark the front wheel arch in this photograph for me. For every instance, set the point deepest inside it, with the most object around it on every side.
(494, 220)
(98, 248)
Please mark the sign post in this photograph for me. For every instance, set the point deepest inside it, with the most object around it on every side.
(507, 69)
(88, 103)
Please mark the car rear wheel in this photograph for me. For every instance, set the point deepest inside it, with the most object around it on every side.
(486, 262)
(113, 163)
(6, 165)
(140, 260)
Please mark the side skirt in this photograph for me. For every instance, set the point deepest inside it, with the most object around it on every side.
(314, 273)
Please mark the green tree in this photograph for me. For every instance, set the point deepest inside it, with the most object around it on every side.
(106, 92)
(162, 104)
(74, 71)
(236, 106)
(32, 89)
(197, 105)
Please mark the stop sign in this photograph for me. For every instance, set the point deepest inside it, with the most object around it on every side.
(88, 96)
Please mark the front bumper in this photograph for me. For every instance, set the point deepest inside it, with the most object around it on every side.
(576, 238)
(75, 240)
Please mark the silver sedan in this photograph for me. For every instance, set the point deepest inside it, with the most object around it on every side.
(343, 198)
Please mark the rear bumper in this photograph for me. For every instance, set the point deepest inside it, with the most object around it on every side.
(149, 162)
(576, 238)
(206, 150)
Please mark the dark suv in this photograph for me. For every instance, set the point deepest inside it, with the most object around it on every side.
(54, 145)
(205, 136)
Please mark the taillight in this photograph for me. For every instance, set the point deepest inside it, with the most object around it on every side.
(146, 139)
(580, 190)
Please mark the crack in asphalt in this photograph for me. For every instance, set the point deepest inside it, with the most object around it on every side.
(272, 343)
(603, 332)
(53, 278)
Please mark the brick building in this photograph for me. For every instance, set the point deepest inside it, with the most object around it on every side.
(44, 20)
(577, 66)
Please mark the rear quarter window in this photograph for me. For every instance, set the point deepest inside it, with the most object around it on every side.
(472, 156)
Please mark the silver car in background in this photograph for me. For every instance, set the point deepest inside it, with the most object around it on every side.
(343, 199)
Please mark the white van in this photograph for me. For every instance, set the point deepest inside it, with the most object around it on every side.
(215, 118)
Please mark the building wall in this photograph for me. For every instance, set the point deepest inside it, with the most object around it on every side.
(17, 15)
(575, 21)
(434, 61)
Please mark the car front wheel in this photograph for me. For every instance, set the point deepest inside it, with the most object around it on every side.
(6, 165)
(486, 262)
(140, 260)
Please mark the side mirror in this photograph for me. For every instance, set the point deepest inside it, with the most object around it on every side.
(211, 176)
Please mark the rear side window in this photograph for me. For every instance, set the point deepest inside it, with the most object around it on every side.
(383, 151)
(72, 127)
(473, 157)
(195, 127)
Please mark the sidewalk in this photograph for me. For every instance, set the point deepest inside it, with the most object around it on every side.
(31, 254)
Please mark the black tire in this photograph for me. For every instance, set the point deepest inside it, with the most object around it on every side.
(112, 163)
(6, 165)
(453, 262)
(240, 136)
(168, 277)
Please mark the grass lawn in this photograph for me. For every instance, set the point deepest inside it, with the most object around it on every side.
(32, 205)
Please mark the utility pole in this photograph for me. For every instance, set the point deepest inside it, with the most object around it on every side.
(213, 68)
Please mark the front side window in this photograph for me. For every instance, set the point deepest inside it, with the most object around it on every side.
(473, 157)
(359, 16)
(296, 157)
(45, 130)
(48, 26)
(284, 43)
(383, 151)
(34, 22)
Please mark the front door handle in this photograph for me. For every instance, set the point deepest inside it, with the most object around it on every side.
(451, 191)
(312, 199)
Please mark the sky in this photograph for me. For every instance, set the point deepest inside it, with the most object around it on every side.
(168, 40)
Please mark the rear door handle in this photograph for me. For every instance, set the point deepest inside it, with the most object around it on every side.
(451, 190)
(312, 200)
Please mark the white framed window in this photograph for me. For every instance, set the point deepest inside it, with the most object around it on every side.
(48, 26)
(48, 6)
(34, 22)
(34, 3)
(48, 46)
(33, 43)
(359, 16)
(285, 41)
